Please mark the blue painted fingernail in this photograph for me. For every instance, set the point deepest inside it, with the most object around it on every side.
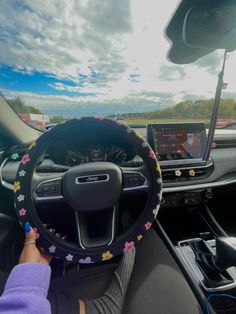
(27, 227)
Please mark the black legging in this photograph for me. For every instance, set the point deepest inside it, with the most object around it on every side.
(63, 303)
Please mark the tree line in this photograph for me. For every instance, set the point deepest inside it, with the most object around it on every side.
(19, 106)
(199, 109)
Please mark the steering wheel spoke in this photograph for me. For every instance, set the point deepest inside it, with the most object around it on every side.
(135, 179)
(92, 233)
(49, 189)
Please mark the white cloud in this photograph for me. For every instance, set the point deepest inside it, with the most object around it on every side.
(114, 39)
(64, 37)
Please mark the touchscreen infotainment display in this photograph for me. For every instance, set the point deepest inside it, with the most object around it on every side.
(177, 141)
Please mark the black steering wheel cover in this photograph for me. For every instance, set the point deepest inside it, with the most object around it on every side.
(25, 209)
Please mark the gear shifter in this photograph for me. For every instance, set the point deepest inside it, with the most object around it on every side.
(212, 269)
(225, 253)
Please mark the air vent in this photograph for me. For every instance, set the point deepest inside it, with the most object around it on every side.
(186, 173)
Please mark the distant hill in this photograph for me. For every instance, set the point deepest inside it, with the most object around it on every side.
(199, 109)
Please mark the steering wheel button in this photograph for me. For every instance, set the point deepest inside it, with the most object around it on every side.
(132, 180)
(46, 188)
(49, 189)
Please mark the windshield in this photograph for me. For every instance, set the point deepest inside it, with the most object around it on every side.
(65, 59)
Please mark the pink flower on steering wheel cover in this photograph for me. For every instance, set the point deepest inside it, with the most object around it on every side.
(152, 154)
(128, 246)
(25, 159)
(99, 118)
(22, 212)
(148, 225)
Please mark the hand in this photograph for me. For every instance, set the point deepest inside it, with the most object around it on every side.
(30, 252)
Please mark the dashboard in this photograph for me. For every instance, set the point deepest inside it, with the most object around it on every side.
(177, 176)
(170, 142)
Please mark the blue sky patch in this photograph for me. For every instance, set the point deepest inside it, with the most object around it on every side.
(37, 82)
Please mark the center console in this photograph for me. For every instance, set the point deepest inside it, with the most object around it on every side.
(203, 251)
(199, 255)
(201, 247)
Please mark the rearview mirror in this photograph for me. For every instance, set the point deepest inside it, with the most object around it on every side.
(211, 26)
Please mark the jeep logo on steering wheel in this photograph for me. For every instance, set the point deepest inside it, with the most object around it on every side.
(92, 179)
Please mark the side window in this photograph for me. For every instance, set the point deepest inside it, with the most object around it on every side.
(3, 142)
(29, 114)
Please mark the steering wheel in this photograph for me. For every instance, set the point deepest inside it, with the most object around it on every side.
(88, 188)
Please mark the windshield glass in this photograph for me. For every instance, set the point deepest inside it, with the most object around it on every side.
(65, 59)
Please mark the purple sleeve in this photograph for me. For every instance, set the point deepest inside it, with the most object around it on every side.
(26, 290)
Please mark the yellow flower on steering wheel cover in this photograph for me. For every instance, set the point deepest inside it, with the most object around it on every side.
(106, 256)
(16, 186)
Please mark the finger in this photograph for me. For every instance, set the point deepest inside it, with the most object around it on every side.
(30, 234)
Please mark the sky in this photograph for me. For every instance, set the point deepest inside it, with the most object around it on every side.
(89, 57)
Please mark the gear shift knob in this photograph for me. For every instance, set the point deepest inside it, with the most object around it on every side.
(225, 253)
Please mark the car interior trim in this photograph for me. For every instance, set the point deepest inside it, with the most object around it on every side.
(47, 198)
(189, 265)
(3, 182)
(175, 167)
(144, 186)
(198, 186)
(112, 230)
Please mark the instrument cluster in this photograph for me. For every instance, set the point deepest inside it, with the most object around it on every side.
(113, 153)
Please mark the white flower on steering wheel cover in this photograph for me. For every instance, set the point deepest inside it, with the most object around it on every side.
(22, 173)
(52, 249)
(69, 257)
(20, 198)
